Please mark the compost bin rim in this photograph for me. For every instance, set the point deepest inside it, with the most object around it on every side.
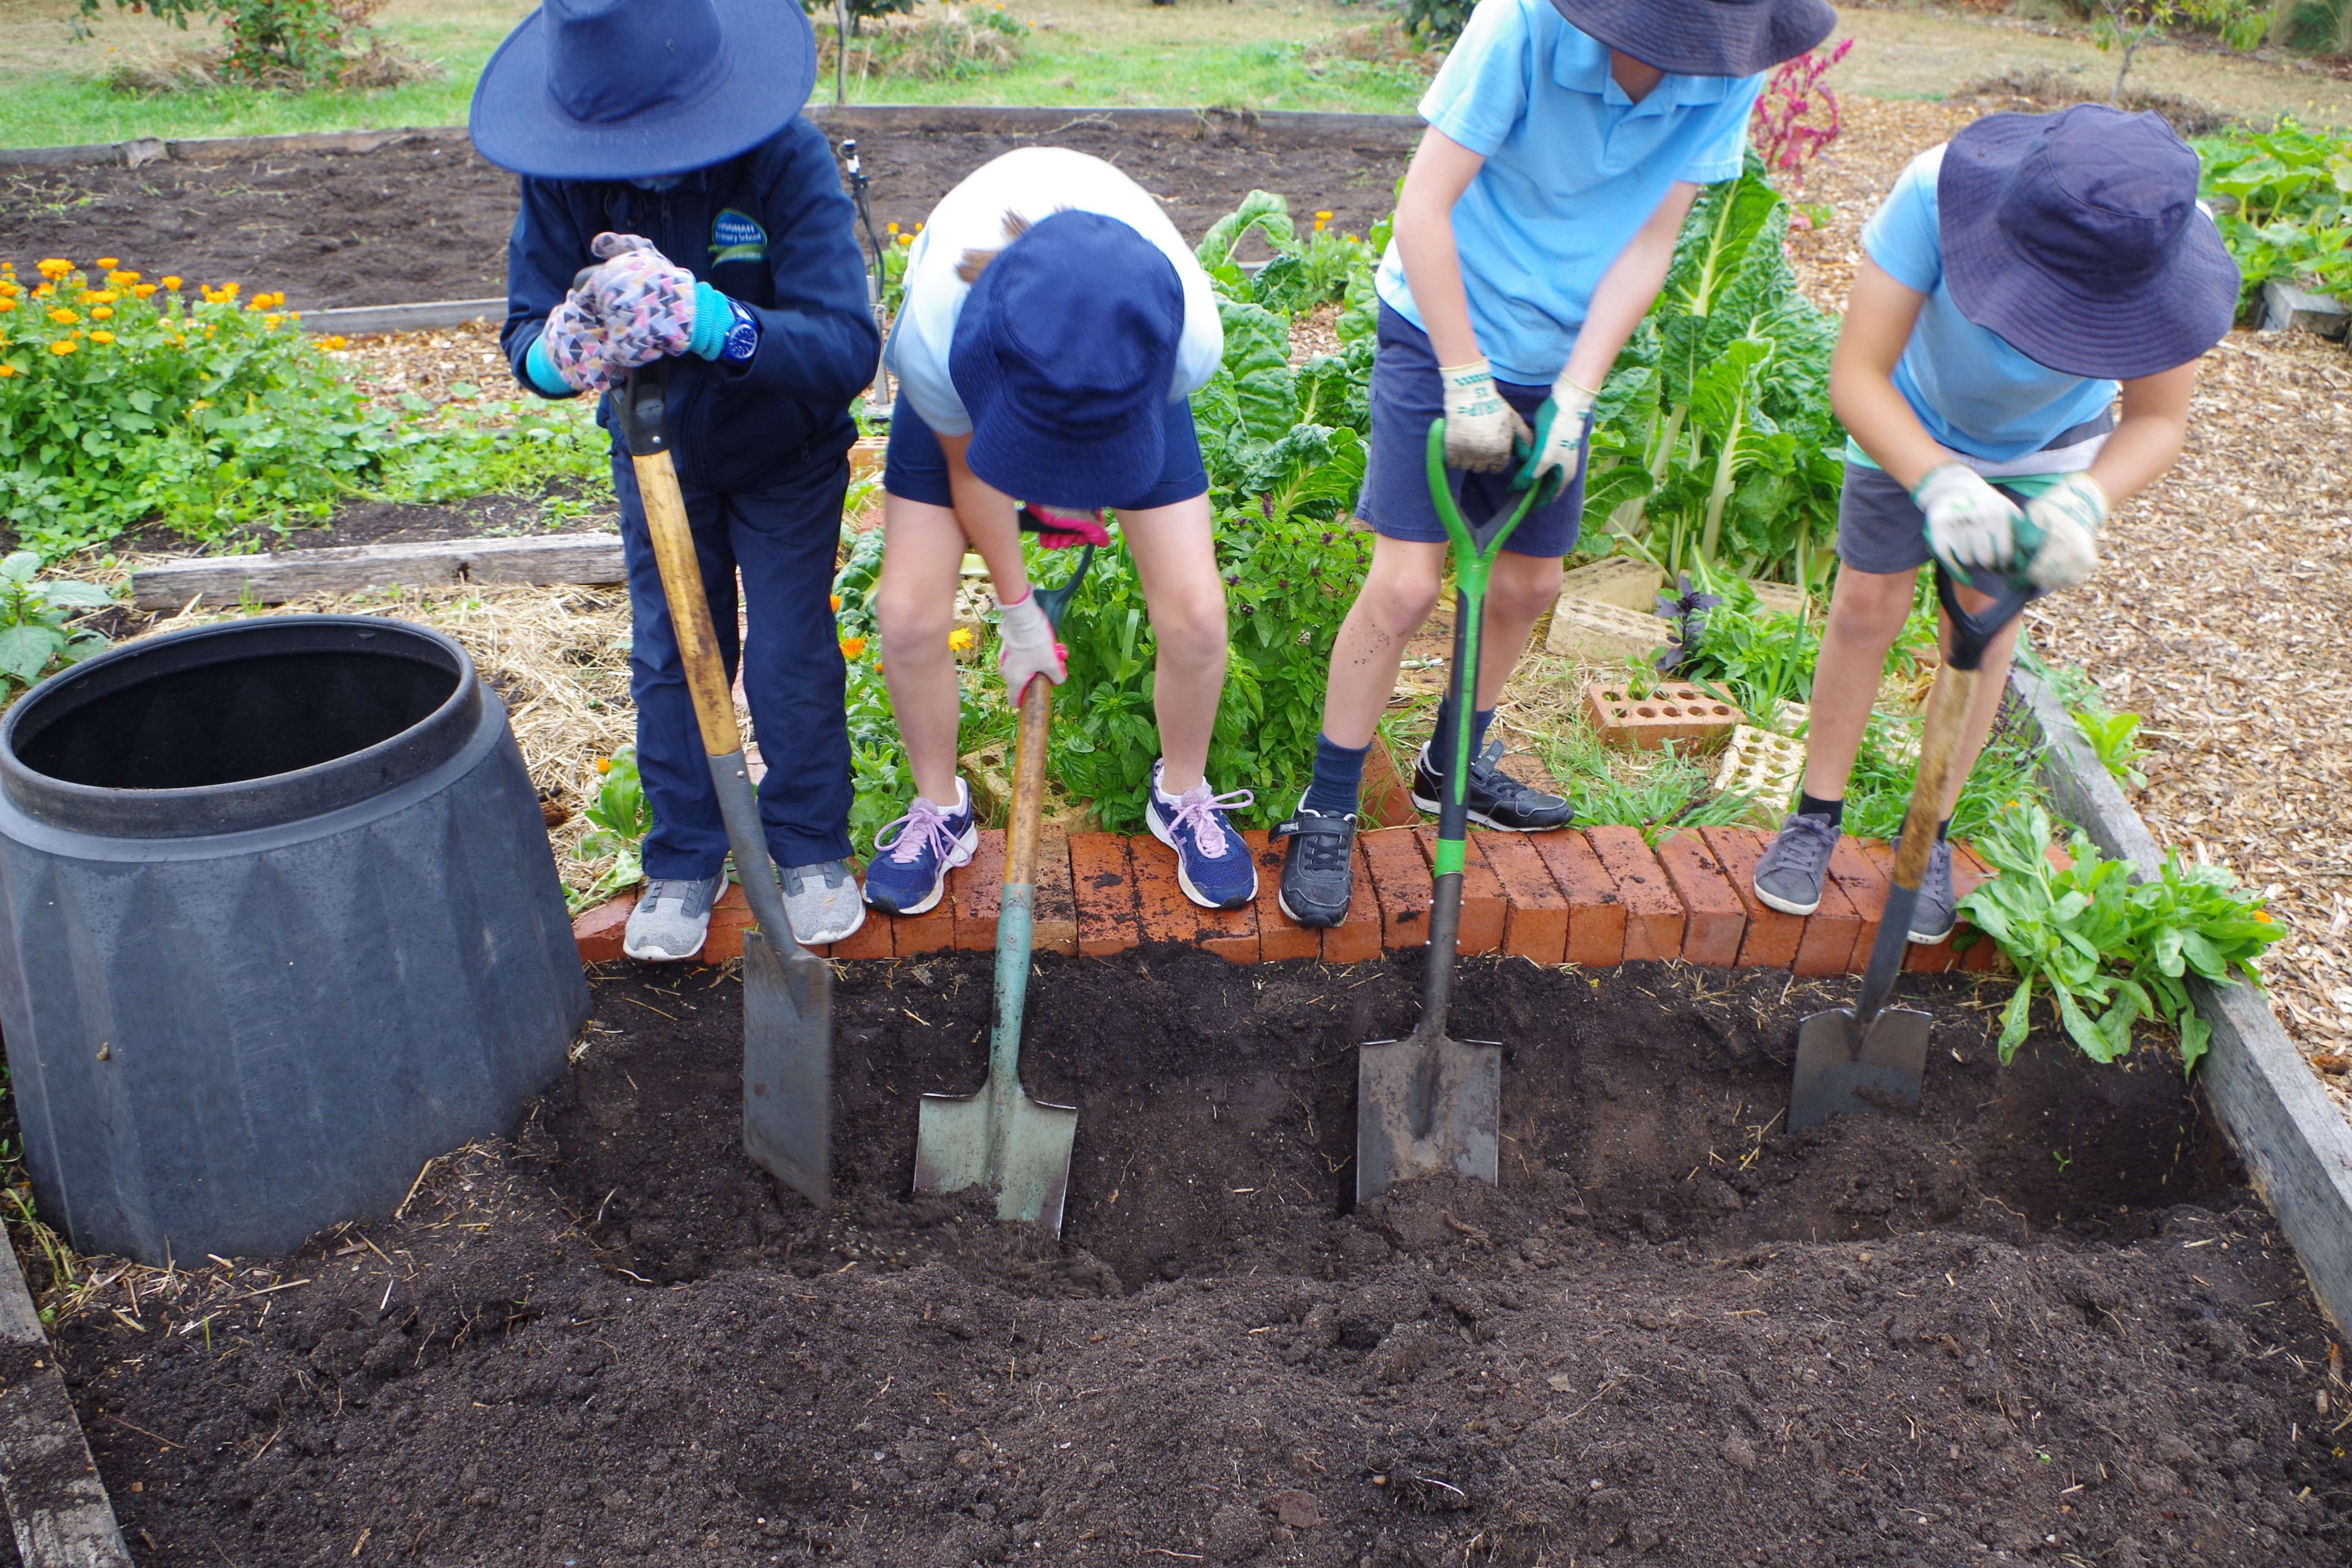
(271, 799)
(140, 150)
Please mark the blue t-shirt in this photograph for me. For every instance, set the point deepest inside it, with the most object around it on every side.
(1574, 168)
(1978, 396)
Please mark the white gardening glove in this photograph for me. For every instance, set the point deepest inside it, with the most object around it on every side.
(2068, 515)
(1970, 524)
(1560, 430)
(1479, 425)
(1029, 647)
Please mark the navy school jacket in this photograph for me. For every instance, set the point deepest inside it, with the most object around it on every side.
(769, 227)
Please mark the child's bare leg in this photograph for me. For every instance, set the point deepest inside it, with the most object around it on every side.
(1176, 560)
(923, 560)
(1867, 610)
(1522, 588)
(1399, 592)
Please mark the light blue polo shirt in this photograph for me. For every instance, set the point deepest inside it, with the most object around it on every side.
(1573, 169)
(1978, 396)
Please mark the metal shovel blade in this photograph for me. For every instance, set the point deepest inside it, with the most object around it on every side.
(1844, 1067)
(1424, 1104)
(1020, 1147)
(788, 1064)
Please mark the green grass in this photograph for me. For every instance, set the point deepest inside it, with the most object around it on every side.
(1252, 53)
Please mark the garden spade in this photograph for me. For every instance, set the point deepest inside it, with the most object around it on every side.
(1002, 1139)
(787, 989)
(1872, 1057)
(1430, 1102)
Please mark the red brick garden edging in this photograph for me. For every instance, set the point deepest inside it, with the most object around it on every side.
(1588, 896)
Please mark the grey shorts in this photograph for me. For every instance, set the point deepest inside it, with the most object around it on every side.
(1880, 528)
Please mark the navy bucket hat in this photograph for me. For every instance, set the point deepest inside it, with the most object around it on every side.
(2076, 236)
(1065, 355)
(1704, 37)
(635, 89)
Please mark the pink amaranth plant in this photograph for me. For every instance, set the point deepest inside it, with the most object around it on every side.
(1796, 115)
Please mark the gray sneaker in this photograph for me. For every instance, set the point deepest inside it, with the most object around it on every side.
(821, 901)
(1933, 917)
(1789, 877)
(672, 917)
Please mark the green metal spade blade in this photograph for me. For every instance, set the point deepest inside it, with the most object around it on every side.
(1425, 1104)
(1018, 1146)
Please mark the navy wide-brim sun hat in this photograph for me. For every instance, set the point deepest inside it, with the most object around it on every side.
(1065, 355)
(638, 89)
(2077, 239)
(1704, 37)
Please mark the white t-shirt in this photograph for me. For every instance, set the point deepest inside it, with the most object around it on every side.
(1036, 183)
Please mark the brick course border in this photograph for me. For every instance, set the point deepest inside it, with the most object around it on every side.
(1592, 897)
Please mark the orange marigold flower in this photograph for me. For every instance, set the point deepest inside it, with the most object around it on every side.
(101, 296)
(109, 262)
(143, 291)
(6, 306)
(603, 764)
(229, 291)
(836, 604)
(55, 266)
(123, 279)
(271, 320)
(7, 371)
(101, 312)
(852, 647)
(906, 240)
(63, 317)
(171, 282)
(101, 337)
(960, 639)
(63, 346)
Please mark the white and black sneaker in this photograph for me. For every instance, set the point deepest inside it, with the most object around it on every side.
(1318, 867)
(1495, 798)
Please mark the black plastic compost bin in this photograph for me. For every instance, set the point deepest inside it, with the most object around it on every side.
(278, 924)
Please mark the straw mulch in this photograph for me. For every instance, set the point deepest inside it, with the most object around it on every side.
(2220, 615)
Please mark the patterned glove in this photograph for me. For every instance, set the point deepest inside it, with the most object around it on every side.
(1058, 530)
(645, 303)
(1480, 427)
(1559, 431)
(1029, 646)
(2068, 515)
(1970, 524)
(575, 347)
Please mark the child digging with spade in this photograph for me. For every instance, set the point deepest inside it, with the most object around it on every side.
(661, 147)
(1567, 141)
(2015, 281)
(1055, 327)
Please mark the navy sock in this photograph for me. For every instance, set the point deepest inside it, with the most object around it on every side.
(1943, 830)
(1814, 805)
(1480, 718)
(1338, 777)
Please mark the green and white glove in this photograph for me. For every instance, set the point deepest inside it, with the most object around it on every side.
(2068, 515)
(1559, 431)
(1970, 525)
(1480, 427)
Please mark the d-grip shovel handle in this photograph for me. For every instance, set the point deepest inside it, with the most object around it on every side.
(642, 410)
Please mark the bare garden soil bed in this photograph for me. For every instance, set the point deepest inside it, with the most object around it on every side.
(2045, 1322)
(424, 219)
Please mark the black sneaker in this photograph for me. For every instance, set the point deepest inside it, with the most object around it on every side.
(1789, 874)
(1495, 799)
(1319, 868)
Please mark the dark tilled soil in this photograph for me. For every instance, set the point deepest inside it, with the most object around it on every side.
(2045, 1322)
(423, 218)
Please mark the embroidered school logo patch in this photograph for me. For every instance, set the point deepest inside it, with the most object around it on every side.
(735, 238)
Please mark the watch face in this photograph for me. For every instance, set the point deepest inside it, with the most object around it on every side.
(742, 338)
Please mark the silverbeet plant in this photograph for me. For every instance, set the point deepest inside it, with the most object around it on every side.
(37, 633)
(2111, 950)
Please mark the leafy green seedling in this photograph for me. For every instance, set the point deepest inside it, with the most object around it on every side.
(35, 635)
(2115, 737)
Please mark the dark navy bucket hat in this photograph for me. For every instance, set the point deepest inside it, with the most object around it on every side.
(2077, 238)
(634, 90)
(1704, 37)
(1065, 355)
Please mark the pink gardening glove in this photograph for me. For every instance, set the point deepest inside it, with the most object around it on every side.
(1059, 530)
(645, 303)
(576, 346)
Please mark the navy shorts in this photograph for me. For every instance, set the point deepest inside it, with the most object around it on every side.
(916, 469)
(1406, 395)
(1881, 530)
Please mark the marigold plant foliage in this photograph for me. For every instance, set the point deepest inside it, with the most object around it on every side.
(124, 397)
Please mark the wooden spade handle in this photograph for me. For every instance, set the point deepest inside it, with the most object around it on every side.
(1939, 745)
(690, 609)
(1028, 782)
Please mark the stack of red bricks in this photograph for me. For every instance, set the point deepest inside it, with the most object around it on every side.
(1587, 896)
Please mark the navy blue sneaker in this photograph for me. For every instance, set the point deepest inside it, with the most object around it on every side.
(1214, 868)
(913, 855)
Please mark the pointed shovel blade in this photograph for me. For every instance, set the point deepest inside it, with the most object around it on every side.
(1030, 1171)
(1426, 1104)
(1845, 1069)
(787, 1066)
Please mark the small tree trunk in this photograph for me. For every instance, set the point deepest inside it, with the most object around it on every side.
(2281, 22)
